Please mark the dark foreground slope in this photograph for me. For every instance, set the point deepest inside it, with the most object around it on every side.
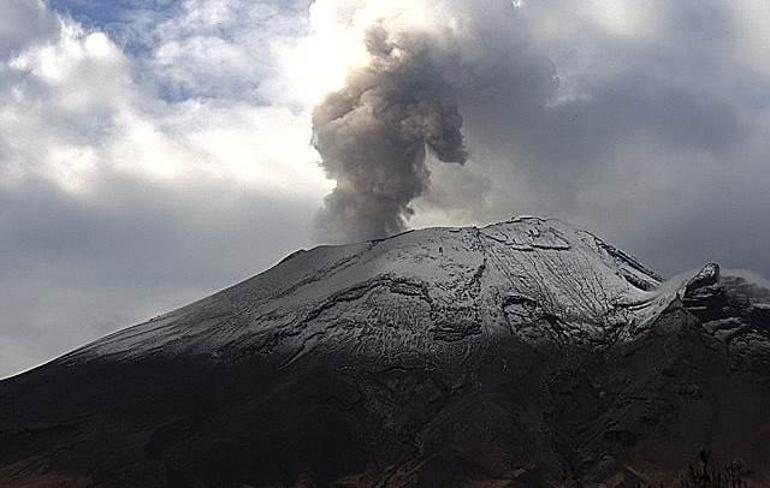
(527, 353)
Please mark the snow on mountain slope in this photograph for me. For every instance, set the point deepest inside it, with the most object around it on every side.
(526, 353)
(431, 291)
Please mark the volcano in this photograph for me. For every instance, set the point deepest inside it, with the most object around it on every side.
(525, 353)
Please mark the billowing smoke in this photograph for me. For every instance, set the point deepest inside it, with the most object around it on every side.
(374, 135)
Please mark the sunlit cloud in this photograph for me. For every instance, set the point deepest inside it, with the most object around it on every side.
(76, 107)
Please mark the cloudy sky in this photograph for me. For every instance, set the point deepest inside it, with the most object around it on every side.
(154, 151)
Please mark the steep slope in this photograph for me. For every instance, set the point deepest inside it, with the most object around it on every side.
(416, 293)
(526, 353)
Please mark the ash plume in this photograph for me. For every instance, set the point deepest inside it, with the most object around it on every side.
(374, 136)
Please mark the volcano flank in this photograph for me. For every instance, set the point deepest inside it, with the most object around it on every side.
(525, 353)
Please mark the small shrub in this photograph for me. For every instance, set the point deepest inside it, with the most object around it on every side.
(709, 474)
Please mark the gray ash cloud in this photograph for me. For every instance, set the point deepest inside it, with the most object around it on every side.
(375, 134)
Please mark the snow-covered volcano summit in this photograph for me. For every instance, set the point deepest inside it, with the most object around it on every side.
(420, 292)
(525, 354)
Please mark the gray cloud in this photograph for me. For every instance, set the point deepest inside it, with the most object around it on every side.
(25, 22)
(373, 136)
(657, 139)
(76, 268)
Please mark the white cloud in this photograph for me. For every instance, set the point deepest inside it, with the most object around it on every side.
(74, 106)
(222, 48)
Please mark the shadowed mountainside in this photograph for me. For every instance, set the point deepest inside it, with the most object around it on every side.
(526, 353)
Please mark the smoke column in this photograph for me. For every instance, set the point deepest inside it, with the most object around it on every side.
(374, 135)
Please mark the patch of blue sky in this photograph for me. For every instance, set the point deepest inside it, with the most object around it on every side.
(130, 23)
(196, 49)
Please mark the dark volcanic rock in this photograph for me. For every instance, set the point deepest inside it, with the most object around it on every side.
(526, 353)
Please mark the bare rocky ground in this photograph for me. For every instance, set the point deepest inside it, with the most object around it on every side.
(528, 353)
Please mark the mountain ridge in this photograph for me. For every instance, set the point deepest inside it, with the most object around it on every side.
(524, 353)
(463, 259)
